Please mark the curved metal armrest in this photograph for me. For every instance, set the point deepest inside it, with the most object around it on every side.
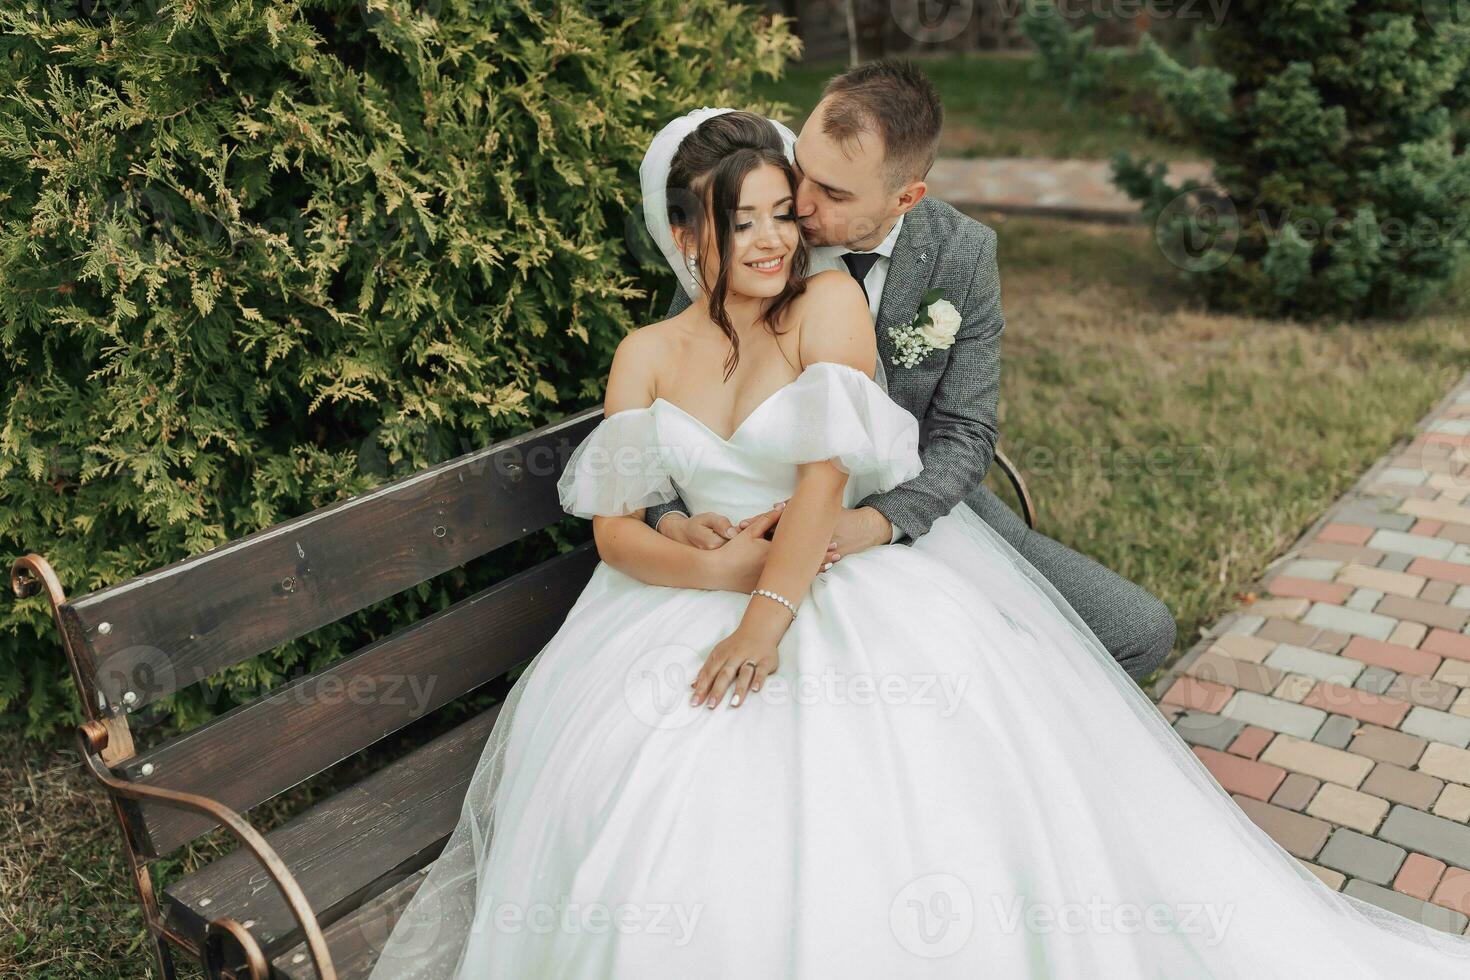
(92, 739)
(1028, 506)
(217, 934)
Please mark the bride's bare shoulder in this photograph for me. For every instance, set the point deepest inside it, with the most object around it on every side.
(637, 364)
(832, 286)
(835, 322)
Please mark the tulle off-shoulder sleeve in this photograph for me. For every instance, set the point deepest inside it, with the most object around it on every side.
(834, 411)
(619, 468)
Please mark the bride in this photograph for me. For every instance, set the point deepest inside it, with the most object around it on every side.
(917, 762)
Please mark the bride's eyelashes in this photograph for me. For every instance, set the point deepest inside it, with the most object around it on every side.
(789, 216)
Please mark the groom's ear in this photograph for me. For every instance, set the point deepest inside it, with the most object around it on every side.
(911, 194)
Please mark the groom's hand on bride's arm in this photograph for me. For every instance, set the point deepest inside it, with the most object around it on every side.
(857, 530)
(710, 530)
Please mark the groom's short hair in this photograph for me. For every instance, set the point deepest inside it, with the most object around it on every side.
(895, 100)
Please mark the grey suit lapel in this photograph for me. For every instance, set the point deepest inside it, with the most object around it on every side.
(908, 275)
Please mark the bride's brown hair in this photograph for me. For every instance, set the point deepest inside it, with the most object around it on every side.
(705, 177)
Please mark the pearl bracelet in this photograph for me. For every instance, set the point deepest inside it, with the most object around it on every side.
(778, 597)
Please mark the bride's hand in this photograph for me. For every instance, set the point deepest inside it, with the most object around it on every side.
(726, 665)
(707, 530)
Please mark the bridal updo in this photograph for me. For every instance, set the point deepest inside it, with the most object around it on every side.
(705, 179)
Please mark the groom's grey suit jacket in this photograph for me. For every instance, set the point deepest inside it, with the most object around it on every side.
(953, 393)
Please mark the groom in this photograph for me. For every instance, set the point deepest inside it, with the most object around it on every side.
(861, 159)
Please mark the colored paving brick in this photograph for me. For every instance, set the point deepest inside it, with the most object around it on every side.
(1348, 808)
(1436, 614)
(1314, 663)
(1302, 588)
(1296, 791)
(1239, 775)
(1419, 876)
(1436, 916)
(1335, 708)
(1423, 690)
(1201, 695)
(1203, 728)
(1360, 856)
(1447, 644)
(1446, 762)
(1274, 713)
(1453, 891)
(1447, 840)
(1447, 570)
(1301, 835)
(1321, 761)
(1345, 534)
(1392, 656)
(1437, 726)
(1399, 785)
(1387, 745)
(1453, 803)
(1249, 743)
(1232, 673)
(1361, 705)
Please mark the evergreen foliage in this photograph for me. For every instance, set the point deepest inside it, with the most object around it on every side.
(260, 255)
(1338, 132)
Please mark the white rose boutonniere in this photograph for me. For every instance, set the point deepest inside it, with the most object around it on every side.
(932, 328)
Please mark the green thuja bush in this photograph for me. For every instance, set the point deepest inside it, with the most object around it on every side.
(260, 255)
(1338, 132)
(1067, 57)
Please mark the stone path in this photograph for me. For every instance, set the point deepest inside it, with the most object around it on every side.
(1335, 707)
(1064, 188)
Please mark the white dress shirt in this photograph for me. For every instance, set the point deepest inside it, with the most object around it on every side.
(830, 257)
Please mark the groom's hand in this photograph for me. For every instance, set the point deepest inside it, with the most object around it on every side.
(738, 564)
(857, 530)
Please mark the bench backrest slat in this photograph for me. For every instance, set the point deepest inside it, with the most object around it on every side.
(163, 630)
(251, 753)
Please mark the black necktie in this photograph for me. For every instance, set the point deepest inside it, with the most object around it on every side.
(858, 263)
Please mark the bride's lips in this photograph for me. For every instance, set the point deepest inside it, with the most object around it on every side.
(776, 264)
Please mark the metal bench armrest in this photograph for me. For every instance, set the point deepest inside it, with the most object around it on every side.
(1028, 506)
(92, 739)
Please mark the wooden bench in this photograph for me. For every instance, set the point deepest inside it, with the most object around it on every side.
(317, 896)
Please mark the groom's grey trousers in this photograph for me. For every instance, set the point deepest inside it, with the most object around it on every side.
(1137, 628)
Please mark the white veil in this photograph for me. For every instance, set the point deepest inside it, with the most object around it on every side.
(653, 175)
(429, 938)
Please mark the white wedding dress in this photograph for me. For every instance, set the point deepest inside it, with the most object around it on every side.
(947, 777)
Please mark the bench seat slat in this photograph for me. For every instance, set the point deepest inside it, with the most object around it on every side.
(250, 754)
(345, 849)
(356, 939)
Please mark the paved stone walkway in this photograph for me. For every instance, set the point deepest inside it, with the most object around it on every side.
(1335, 707)
(1065, 188)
